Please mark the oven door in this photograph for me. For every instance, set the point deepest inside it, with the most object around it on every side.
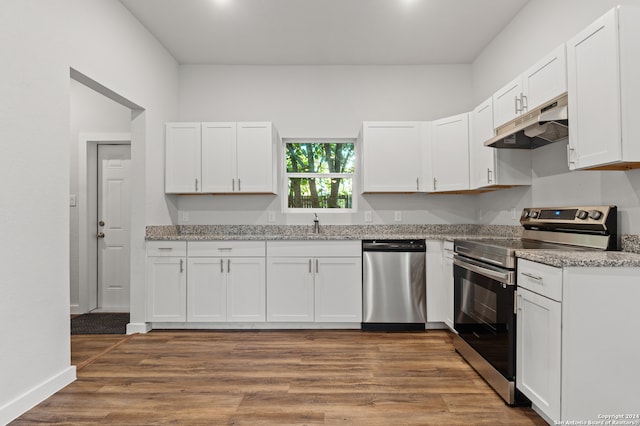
(484, 315)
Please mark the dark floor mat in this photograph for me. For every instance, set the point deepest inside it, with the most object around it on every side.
(105, 323)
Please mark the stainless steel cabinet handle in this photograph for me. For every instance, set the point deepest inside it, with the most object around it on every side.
(570, 152)
(316, 266)
(239, 187)
(233, 184)
(196, 179)
(181, 266)
(517, 110)
(228, 265)
(535, 277)
(517, 301)
(524, 101)
(309, 265)
(435, 182)
(417, 184)
(489, 177)
(221, 266)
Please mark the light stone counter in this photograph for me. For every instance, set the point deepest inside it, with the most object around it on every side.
(327, 232)
(599, 259)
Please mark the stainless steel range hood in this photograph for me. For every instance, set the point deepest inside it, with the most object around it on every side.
(537, 128)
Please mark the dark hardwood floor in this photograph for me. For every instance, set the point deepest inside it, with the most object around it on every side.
(274, 378)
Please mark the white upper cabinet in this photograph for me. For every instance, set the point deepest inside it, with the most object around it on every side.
(182, 154)
(450, 153)
(603, 67)
(391, 156)
(218, 156)
(490, 167)
(255, 158)
(542, 82)
(223, 157)
(545, 80)
(507, 102)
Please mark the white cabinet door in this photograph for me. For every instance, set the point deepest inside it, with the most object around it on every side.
(182, 158)
(246, 289)
(450, 153)
(391, 156)
(290, 290)
(545, 80)
(166, 289)
(218, 156)
(481, 158)
(338, 289)
(594, 94)
(254, 147)
(507, 102)
(206, 290)
(447, 279)
(436, 298)
(538, 340)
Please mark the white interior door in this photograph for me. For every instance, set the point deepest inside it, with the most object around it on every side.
(114, 199)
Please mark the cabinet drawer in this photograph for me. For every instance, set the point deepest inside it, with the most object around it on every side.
(314, 248)
(227, 248)
(542, 279)
(167, 248)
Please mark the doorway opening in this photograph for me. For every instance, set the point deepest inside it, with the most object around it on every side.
(104, 212)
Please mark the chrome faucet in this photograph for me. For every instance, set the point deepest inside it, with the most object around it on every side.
(316, 224)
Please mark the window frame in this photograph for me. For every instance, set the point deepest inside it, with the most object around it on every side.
(286, 175)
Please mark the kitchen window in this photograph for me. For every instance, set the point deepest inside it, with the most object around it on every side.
(319, 174)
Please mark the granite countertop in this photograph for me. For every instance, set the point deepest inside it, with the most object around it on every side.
(629, 256)
(565, 259)
(328, 232)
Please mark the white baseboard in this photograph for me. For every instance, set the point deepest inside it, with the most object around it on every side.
(256, 325)
(138, 327)
(35, 396)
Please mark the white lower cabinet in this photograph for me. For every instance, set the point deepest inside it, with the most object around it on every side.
(219, 281)
(290, 292)
(166, 281)
(317, 281)
(436, 299)
(447, 279)
(226, 289)
(576, 357)
(440, 283)
(338, 289)
(539, 352)
(226, 281)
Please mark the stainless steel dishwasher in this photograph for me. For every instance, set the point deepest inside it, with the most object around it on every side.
(394, 285)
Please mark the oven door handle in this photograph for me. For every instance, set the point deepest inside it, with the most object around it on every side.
(505, 277)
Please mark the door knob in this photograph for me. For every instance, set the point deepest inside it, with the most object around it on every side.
(100, 235)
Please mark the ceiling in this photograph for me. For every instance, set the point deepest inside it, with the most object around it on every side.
(324, 32)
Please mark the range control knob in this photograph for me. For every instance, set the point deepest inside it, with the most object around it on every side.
(595, 214)
(533, 214)
(582, 214)
(525, 214)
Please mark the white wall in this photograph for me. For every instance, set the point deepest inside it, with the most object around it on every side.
(40, 42)
(324, 101)
(90, 112)
(536, 30)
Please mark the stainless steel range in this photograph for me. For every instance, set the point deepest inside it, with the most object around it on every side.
(485, 284)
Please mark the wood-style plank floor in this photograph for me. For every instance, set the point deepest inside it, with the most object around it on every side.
(274, 378)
